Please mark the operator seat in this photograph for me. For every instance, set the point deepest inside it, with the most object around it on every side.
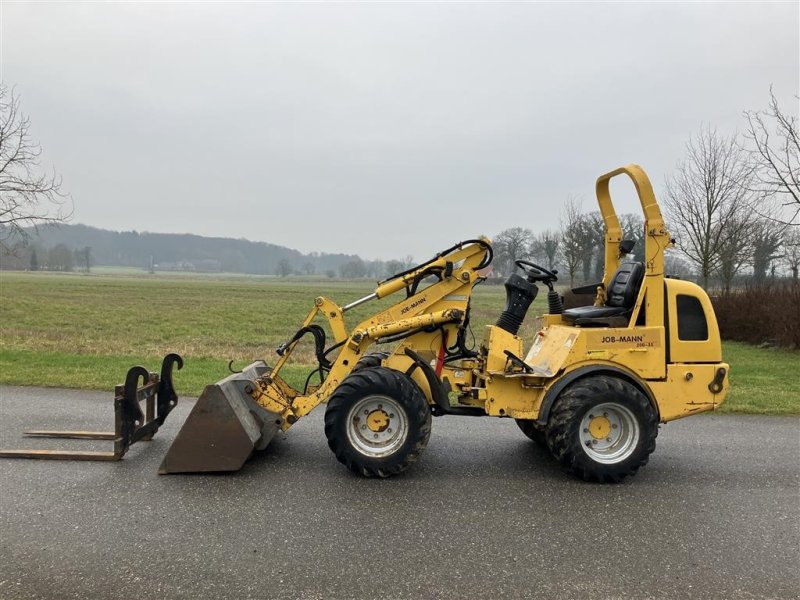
(621, 298)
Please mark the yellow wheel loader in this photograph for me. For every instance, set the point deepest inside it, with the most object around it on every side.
(593, 387)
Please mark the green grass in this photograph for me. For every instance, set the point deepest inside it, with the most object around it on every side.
(763, 380)
(83, 371)
(84, 331)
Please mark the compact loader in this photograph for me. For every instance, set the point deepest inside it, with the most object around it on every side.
(593, 387)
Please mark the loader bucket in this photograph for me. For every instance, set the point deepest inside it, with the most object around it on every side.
(224, 427)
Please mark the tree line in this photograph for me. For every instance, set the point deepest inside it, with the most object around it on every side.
(357, 268)
(732, 204)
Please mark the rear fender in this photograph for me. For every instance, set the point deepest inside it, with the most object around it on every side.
(564, 381)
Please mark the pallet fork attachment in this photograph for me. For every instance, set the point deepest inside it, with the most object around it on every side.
(130, 423)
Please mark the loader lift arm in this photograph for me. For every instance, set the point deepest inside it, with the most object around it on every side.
(424, 309)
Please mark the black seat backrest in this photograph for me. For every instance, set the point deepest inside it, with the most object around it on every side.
(624, 286)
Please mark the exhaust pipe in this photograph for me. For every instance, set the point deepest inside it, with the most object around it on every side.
(224, 427)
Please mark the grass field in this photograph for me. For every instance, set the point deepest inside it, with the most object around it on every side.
(84, 331)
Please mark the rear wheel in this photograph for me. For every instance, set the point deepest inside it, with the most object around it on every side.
(602, 429)
(377, 422)
(533, 430)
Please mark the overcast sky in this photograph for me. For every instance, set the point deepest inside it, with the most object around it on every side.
(377, 129)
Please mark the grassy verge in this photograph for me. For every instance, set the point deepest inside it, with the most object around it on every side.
(763, 380)
(85, 331)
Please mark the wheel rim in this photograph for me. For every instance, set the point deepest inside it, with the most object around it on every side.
(609, 433)
(377, 426)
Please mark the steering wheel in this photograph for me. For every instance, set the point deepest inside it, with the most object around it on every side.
(536, 272)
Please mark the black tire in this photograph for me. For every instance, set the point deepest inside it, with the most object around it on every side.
(576, 436)
(533, 430)
(368, 392)
(371, 359)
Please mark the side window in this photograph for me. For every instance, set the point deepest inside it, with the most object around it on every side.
(692, 324)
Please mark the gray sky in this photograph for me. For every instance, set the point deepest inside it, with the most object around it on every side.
(377, 129)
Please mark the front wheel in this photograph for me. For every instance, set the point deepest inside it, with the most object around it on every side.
(602, 429)
(377, 422)
(373, 359)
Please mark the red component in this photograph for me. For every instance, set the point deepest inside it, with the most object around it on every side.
(440, 358)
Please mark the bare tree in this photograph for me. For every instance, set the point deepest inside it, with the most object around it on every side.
(675, 265)
(735, 248)
(593, 231)
(393, 267)
(284, 268)
(545, 247)
(767, 240)
(773, 144)
(708, 198)
(353, 269)
(791, 251)
(375, 269)
(573, 246)
(511, 245)
(27, 196)
(59, 258)
(633, 229)
(83, 257)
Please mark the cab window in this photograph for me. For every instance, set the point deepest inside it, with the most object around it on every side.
(692, 325)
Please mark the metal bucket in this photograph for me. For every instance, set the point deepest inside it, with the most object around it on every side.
(224, 427)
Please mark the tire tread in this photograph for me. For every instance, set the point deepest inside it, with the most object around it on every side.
(375, 379)
(564, 443)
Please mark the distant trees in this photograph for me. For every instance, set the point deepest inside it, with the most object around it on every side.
(720, 204)
(284, 268)
(592, 232)
(772, 142)
(633, 229)
(59, 258)
(545, 248)
(581, 241)
(353, 269)
(392, 267)
(232, 260)
(791, 251)
(734, 202)
(733, 250)
(766, 243)
(574, 247)
(83, 257)
(27, 196)
(707, 202)
(511, 245)
(674, 264)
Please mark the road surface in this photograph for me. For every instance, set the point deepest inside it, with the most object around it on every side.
(484, 514)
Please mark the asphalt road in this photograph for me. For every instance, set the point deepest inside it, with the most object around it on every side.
(485, 513)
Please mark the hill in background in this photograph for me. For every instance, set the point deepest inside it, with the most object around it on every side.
(65, 246)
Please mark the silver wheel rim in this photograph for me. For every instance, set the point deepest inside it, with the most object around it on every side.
(377, 426)
(609, 433)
